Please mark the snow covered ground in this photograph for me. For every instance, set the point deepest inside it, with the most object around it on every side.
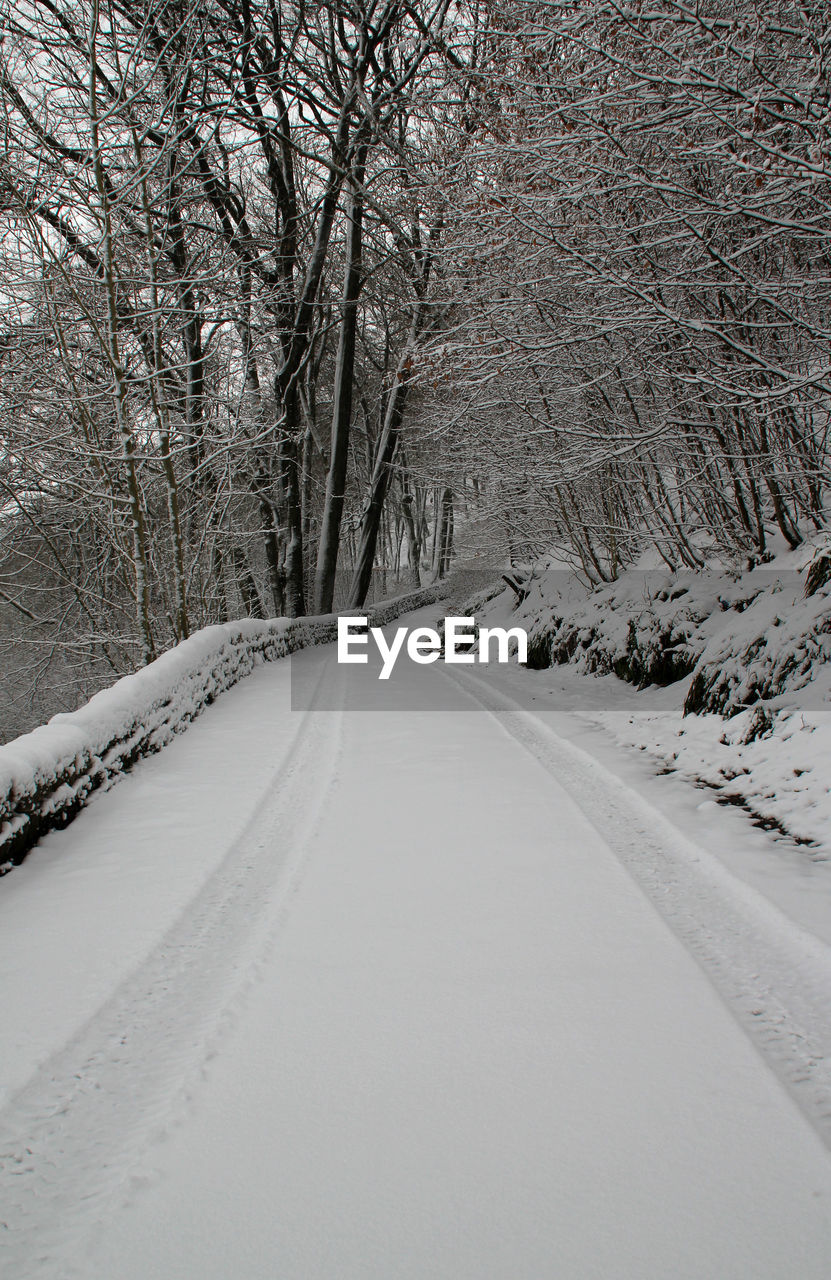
(369, 993)
(750, 653)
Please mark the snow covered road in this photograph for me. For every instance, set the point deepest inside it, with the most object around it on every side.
(397, 1009)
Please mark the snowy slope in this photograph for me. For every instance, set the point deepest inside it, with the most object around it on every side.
(746, 655)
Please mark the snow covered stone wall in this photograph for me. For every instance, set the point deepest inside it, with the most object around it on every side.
(48, 775)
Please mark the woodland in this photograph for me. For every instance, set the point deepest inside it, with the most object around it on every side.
(306, 301)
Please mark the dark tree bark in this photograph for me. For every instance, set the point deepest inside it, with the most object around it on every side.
(327, 558)
(251, 602)
(379, 482)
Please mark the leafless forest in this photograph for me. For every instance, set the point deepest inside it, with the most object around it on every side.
(299, 298)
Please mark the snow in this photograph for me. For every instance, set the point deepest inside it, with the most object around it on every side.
(415, 1002)
(47, 775)
(750, 647)
(783, 779)
(747, 636)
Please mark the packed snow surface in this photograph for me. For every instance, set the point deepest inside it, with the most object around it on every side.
(367, 992)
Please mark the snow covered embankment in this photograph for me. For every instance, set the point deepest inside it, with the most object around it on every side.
(750, 655)
(48, 775)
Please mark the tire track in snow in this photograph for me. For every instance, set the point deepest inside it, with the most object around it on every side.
(70, 1140)
(773, 976)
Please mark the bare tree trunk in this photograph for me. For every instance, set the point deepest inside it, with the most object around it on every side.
(445, 535)
(218, 576)
(413, 543)
(379, 483)
(249, 594)
(272, 548)
(327, 556)
(289, 486)
(159, 400)
(137, 530)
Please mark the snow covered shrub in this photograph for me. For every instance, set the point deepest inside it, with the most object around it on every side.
(818, 573)
(782, 642)
(744, 638)
(634, 628)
